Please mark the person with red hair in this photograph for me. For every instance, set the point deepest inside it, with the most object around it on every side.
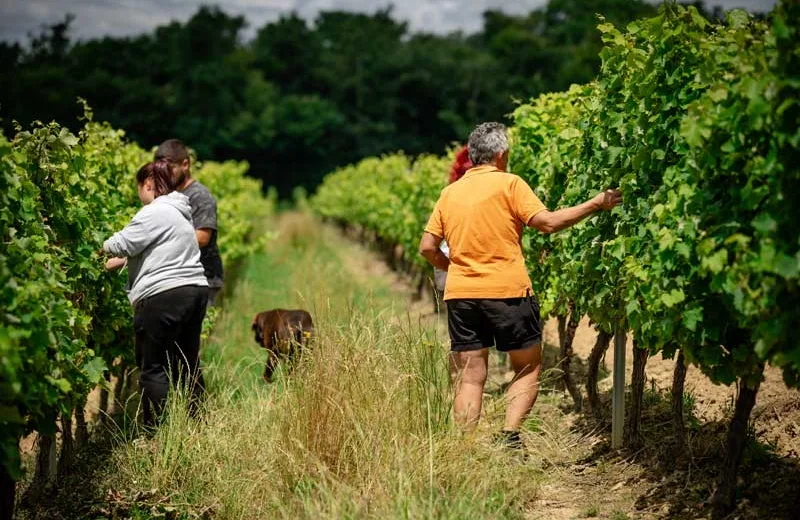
(459, 167)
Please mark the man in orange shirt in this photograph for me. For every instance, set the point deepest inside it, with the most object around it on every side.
(488, 292)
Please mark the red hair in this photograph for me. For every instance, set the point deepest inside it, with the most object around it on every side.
(460, 165)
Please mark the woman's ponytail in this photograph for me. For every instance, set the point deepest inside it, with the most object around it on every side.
(161, 174)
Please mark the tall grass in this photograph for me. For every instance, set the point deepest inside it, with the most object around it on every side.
(359, 429)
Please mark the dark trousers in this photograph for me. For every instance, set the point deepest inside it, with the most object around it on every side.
(168, 326)
(214, 296)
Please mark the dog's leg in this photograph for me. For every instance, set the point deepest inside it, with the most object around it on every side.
(299, 340)
(272, 362)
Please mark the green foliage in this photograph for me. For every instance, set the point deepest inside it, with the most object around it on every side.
(391, 196)
(546, 143)
(65, 318)
(303, 98)
(239, 204)
(684, 118)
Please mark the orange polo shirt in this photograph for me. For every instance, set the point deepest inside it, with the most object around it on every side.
(482, 217)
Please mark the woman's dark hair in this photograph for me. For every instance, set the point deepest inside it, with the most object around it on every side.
(161, 174)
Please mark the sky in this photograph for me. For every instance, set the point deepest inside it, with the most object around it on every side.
(97, 18)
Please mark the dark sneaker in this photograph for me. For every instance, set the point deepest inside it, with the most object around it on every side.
(509, 439)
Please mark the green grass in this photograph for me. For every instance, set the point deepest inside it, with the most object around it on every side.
(360, 429)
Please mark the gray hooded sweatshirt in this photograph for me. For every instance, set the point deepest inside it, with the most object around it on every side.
(161, 247)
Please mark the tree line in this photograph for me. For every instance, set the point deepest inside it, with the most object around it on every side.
(303, 98)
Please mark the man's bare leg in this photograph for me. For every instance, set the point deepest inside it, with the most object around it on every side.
(527, 364)
(470, 369)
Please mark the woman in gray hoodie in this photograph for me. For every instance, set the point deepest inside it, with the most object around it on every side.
(166, 286)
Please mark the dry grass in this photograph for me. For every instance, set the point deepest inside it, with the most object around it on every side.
(360, 429)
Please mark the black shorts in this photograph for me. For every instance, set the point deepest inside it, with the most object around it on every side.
(509, 323)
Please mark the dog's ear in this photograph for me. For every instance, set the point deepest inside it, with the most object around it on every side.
(262, 326)
(261, 321)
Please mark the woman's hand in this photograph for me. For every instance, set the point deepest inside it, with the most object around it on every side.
(112, 264)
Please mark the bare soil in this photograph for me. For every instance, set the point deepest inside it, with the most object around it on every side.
(776, 416)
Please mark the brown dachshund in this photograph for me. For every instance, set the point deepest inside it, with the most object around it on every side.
(282, 332)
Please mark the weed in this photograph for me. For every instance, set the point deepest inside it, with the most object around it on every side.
(689, 402)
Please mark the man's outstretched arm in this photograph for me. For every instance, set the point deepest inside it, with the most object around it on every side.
(429, 248)
(553, 221)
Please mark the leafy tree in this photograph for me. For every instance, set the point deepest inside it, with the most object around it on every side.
(303, 98)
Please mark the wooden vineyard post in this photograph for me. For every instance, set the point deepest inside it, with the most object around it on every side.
(618, 397)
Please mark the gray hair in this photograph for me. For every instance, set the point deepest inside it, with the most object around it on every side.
(486, 141)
